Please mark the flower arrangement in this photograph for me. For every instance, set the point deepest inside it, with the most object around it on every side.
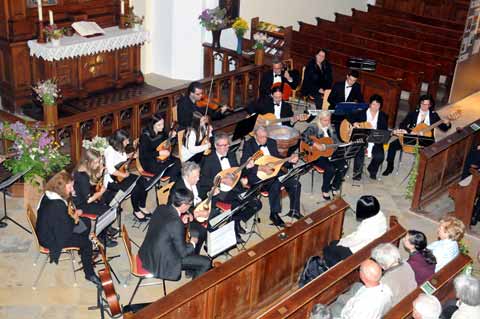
(97, 143)
(134, 19)
(213, 19)
(35, 150)
(240, 26)
(54, 32)
(47, 91)
(260, 39)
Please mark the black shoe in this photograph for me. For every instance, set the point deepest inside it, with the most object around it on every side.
(239, 239)
(326, 197)
(388, 171)
(189, 273)
(277, 220)
(141, 220)
(295, 214)
(112, 231)
(3, 224)
(357, 176)
(373, 176)
(111, 243)
(94, 279)
(239, 229)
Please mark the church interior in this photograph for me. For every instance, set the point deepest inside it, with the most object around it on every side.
(81, 77)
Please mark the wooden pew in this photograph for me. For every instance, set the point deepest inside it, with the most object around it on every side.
(440, 165)
(448, 24)
(371, 83)
(255, 278)
(327, 287)
(442, 280)
(464, 197)
(455, 10)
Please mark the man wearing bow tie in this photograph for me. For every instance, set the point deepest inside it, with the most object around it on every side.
(277, 75)
(275, 104)
(346, 91)
(293, 187)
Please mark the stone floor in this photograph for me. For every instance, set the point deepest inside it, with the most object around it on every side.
(55, 296)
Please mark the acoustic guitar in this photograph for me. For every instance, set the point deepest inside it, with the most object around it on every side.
(107, 285)
(312, 153)
(272, 162)
(346, 129)
(167, 144)
(234, 173)
(206, 205)
(270, 119)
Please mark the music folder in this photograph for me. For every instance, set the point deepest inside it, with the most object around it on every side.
(122, 195)
(221, 239)
(105, 219)
(244, 127)
(295, 172)
(347, 108)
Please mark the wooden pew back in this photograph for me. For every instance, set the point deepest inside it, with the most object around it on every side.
(465, 196)
(255, 278)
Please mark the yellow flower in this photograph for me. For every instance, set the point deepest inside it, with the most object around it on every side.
(240, 25)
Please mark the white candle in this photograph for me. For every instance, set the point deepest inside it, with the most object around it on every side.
(50, 16)
(40, 12)
(122, 7)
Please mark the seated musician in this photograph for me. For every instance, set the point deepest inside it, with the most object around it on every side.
(269, 147)
(152, 136)
(280, 75)
(188, 104)
(196, 139)
(116, 154)
(219, 160)
(346, 91)
(425, 114)
(188, 183)
(317, 78)
(166, 250)
(379, 121)
(334, 171)
(56, 229)
(89, 188)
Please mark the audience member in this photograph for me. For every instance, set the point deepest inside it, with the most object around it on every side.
(426, 307)
(320, 311)
(450, 232)
(467, 289)
(421, 258)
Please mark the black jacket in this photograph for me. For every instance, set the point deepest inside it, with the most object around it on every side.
(185, 112)
(266, 105)
(337, 95)
(147, 149)
(410, 121)
(210, 168)
(315, 78)
(164, 246)
(267, 81)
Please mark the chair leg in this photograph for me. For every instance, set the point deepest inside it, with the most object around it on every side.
(72, 258)
(40, 272)
(400, 157)
(311, 186)
(135, 291)
(164, 288)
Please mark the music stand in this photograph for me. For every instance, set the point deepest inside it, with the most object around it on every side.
(296, 172)
(244, 127)
(119, 198)
(348, 108)
(379, 136)
(3, 188)
(423, 141)
(156, 180)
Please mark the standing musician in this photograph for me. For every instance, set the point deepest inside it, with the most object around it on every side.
(115, 154)
(196, 139)
(165, 251)
(216, 162)
(277, 75)
(425, 114)
(378, 121)
(334, 171)
(56, 229)
(188, 104)
(346, 91)
(318, 77)
(152, 136)
(188, 183)
(293, 187)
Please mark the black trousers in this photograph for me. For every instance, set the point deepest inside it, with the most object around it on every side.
(393, 148)
(199, 231)
(196, 264)
(378, 156)
(334, 173)
(139, 195)
(159, 167)
(85, 245)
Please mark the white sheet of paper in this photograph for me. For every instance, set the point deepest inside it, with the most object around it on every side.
(221, 239)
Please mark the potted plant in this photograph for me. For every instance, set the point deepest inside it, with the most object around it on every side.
(133, 20)
(214, 20)
(260, 38)
(47, 93)
(240, 26)
(36, 152)
(97, 143)
(54, 34)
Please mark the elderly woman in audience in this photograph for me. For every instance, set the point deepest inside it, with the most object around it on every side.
(320, 311)
(467, 289)
(426, 307)
(450, 232)
(421, 258)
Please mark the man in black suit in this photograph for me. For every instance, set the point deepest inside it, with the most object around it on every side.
(425, 114)
(379, 121)
(269, 147)
(277, 75)
(164, 252)
(274, 104)
(216, 162)
(187, 105)
(346, 91)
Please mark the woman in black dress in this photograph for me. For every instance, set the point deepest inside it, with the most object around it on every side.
(318, 77)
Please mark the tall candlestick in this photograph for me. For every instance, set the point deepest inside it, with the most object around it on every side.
(122, 7)
(40, 12)
(50, 16)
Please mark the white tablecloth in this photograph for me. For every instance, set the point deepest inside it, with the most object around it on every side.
(75, 46)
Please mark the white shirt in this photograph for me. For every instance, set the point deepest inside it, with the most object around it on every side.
(444, 250)
(325, 131)
(225, 163)
(368, 230)
(112, 158)
(189, 149)
(277, 110)
(277, 78)
(466, 312)
(264, 149)
(368, 303)
(348, 89)
(196, 199)
(374, 121)
(425, 116)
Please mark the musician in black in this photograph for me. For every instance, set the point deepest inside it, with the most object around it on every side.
(165, 252)
(334, 171)
(378, 121)
(152, 136)
(318, 77)
(274, 104)
(120, 151)
(56, 229)
(280, 75)
(424, 114)
(293, 187)
(346, 91)
(196, 139)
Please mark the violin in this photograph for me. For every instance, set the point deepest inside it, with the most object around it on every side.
(213, 104)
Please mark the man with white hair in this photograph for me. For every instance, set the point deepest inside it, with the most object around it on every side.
(397, 275)
(467, 289)
(426, 307)
(320, 311)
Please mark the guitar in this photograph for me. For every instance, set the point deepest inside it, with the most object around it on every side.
(272, 162)
(107, 285)
(270, 119)
(312, 153)
(167, 144)
(234, 173)
(346, 129)
(206, 204)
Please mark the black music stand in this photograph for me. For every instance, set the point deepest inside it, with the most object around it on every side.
(244, 127)
(118, 200)
(3, 188)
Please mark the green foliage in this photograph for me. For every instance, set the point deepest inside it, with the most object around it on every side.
(412, 180)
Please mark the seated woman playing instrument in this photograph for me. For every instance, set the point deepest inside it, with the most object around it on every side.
(196, 142)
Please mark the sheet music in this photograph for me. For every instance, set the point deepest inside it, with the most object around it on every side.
(105, 219)
(221, 239)
(87, 28)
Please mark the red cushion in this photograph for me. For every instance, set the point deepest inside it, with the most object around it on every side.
(147, 174)
(224, 206)
(318, 169)
(165, 178)
(90, 216)
(140, 270)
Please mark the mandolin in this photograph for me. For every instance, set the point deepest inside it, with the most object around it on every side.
(274, 163)
(167, 144)
(123, 166)
(234, 173)
(346, 129)
(206, 205)
(107, 284)
(71, 211)
(312, 153)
